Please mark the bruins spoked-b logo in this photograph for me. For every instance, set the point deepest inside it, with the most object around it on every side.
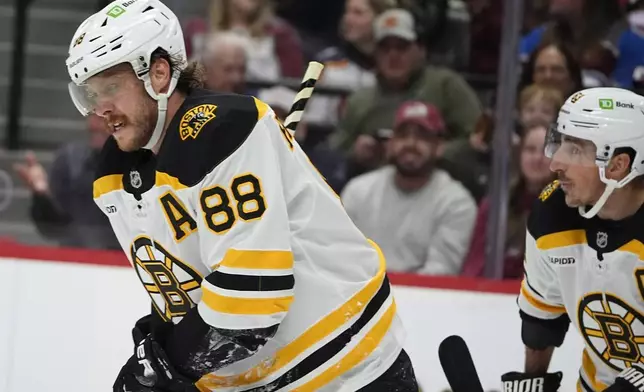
(194, 120)
(173, 286)
(612, 328)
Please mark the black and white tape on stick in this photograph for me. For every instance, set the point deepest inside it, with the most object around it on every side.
(311, 76)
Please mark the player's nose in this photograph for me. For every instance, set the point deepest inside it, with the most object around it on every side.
(556, 165)
(103, 109)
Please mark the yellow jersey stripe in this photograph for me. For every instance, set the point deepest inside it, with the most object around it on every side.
(107, 184)
(310, 337)
(114, 182)
(366, 346)
(161, 179)
(258, 259)
(538, 303)
(561, 239)
(635, 247)
(591, 372)
(235, 305)
(262, 108)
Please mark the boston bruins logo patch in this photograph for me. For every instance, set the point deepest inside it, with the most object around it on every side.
(174, 287)
(613, 329)
(195, 119)
(549, 190)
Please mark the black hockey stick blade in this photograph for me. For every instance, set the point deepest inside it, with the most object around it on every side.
(458, 365)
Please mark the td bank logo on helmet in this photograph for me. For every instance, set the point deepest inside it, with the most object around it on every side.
(562, 260)
(119, 10)
(610, 104)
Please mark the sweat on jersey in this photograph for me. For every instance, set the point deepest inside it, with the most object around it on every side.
(242, 245)
(593, 270)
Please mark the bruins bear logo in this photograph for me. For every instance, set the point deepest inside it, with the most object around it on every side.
(549, 190)
(195, 119)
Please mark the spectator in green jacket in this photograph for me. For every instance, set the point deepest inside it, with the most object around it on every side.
(402, 74)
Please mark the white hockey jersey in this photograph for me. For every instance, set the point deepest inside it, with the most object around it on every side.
(593, 270)
(232, 218)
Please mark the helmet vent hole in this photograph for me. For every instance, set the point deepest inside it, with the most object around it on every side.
(148, 9)
(158, 22)
(588, 110)
(102, 54)
(95, 38)
(104, 23)
(85, 69)
(97, 49)
(116, 39)
(76, 75)
(117, 47)
(166, 16)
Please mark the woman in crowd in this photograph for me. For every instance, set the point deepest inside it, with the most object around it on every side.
(553, 64)
(275, 50)
(539, 104)
(534, 175)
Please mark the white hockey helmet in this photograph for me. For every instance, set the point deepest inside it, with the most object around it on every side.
(609, 118)
(125, 32)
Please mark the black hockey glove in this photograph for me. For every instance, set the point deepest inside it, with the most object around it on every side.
(517, 382)
(149, 370)
(629, 380)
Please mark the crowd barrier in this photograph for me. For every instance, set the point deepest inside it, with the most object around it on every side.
(66, 317)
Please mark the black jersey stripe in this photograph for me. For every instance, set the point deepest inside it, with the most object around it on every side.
(329, 350)
(251, 282)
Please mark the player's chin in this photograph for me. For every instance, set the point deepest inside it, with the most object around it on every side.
(573, 201)
(127, 144)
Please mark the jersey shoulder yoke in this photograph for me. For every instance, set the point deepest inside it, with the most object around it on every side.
(207, 129)
(550, 214)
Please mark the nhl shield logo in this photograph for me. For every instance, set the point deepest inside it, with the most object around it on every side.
(602, 239)
(135, 179)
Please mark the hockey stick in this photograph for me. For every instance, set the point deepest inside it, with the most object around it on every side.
(311, 76)
(458, 366)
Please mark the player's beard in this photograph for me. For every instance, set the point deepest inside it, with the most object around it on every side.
(416, 171)
(141, 126)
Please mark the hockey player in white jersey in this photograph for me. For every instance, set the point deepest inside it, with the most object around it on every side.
(584, 258)
(258, 279)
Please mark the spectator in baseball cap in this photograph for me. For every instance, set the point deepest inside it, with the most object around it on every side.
(403, 75)
(420, 216)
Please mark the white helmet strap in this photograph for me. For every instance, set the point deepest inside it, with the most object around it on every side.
(162, 100)
(611, 185)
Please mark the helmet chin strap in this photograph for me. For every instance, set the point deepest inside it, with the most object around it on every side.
(162, 100)
(611, 185)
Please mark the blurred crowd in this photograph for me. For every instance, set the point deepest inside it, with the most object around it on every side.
(408, 146)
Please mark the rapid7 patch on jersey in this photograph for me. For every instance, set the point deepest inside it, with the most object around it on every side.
(173, 286)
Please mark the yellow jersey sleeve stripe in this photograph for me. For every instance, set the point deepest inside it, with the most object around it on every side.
(366, 346)
(235, 305)
(591, 372)
(258, 259)
(561, 239)
(107, 184)
(540, 304)
(310, 337)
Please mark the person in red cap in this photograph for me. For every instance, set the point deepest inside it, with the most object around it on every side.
(421, 217)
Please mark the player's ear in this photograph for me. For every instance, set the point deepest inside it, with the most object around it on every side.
(618, 167)
(160, 74)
